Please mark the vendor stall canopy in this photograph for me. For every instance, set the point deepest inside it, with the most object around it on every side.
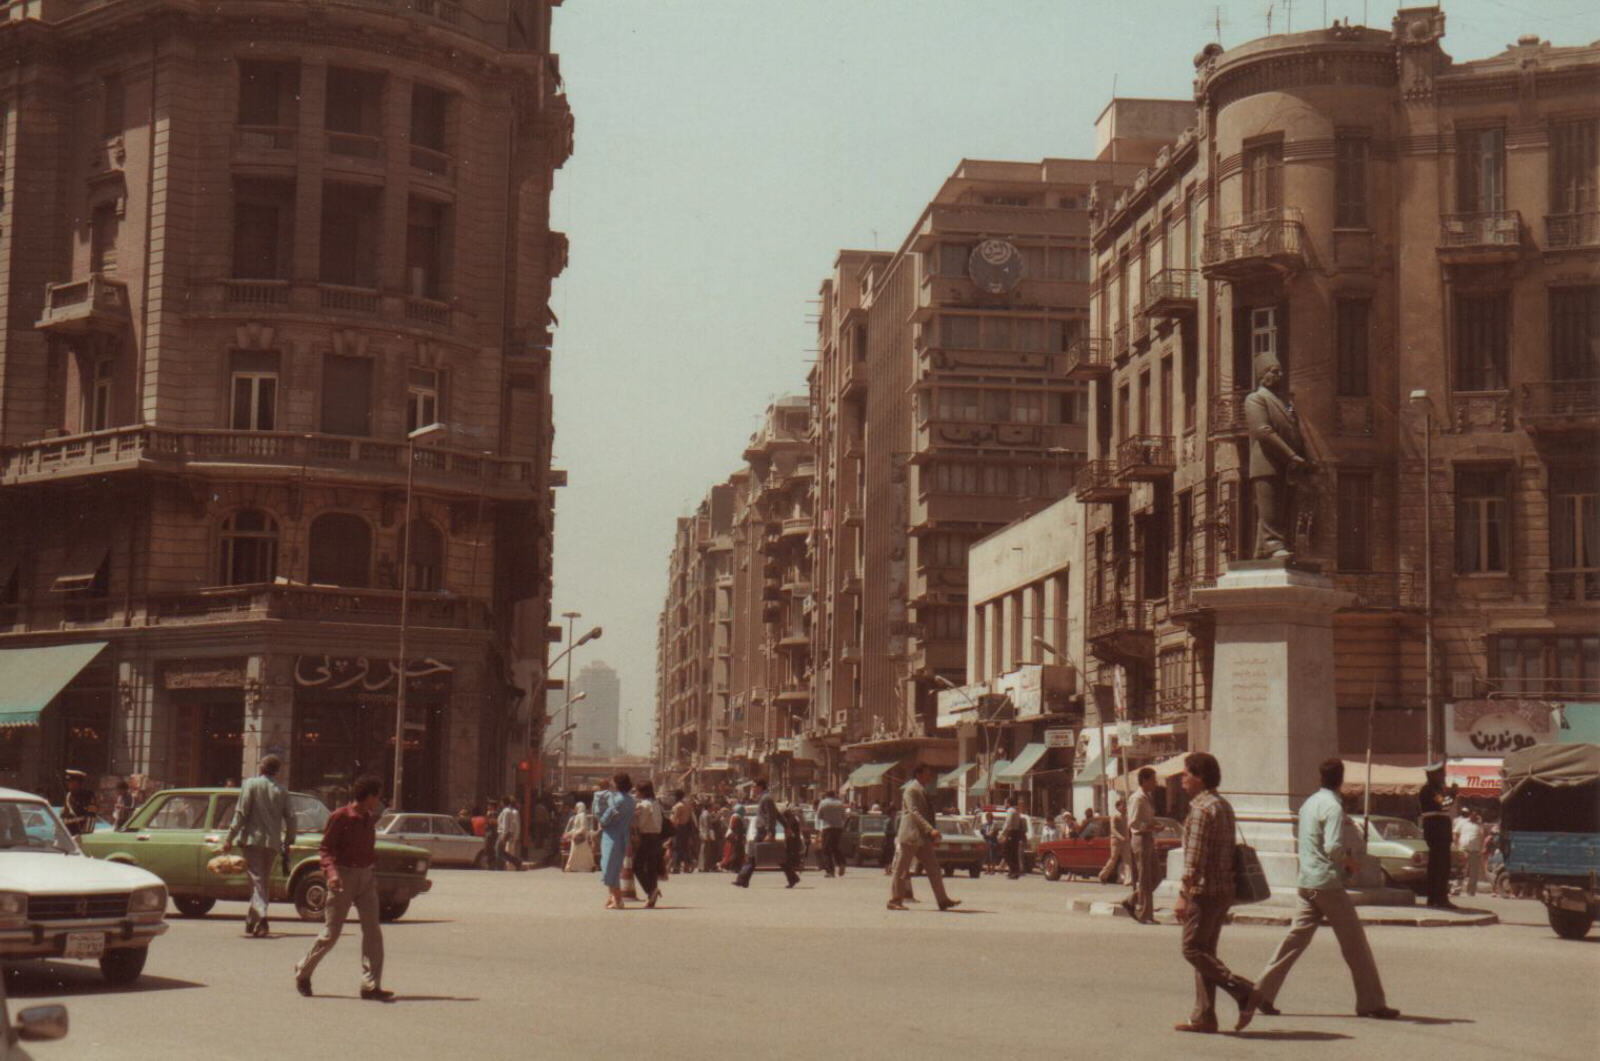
(1554, 765)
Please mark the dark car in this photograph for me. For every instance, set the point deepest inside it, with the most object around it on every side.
(863, 839)
(1085, 857)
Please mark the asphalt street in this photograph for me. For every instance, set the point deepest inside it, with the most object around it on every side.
(529, 965)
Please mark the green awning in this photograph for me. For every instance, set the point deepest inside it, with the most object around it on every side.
(1092, 774)
(1019, 767)
(870, 773)
(981, 786)
(32, 677)
(952, 779)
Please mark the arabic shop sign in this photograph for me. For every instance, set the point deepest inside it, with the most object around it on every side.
(1495, 727)
(362, 674)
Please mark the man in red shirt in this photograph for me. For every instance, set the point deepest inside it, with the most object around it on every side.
(349, 862)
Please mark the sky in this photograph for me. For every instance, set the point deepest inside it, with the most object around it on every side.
(726, 150)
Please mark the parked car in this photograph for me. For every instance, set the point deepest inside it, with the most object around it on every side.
(179, 830)
(960, 846)
(1086, 856)
(440, 835)
(34, 1024)
(1398, 846)
(862, 840)
(55, 903)
(1550, 827)
(770, 853)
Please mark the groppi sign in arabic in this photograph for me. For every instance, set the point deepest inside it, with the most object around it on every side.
(1495, 727)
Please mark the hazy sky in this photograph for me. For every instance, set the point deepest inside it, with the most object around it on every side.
(727, 149)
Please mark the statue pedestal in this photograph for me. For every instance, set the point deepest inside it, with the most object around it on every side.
(1273, 716)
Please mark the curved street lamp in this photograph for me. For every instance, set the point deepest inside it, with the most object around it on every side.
(421, 434)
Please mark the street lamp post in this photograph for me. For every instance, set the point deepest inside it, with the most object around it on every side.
(566, 709)
(1420, 398)
(421, 434)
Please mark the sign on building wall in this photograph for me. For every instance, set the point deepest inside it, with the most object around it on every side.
(1060, 738)
(361, 674)
(1495, 727)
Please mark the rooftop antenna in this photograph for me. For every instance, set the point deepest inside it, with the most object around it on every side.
(1288, 16)
(1269, 20)
(1217, 12)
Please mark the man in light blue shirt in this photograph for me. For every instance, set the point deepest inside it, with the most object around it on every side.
(1324, 860)
(264, 825)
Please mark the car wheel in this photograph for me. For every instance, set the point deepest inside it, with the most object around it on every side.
(1569, 924)
(976, 871)
(480, 860)
(393, 911)
(193, 905)
(123, 965)
(1502, 886)
(1052, 868)
(310, 896)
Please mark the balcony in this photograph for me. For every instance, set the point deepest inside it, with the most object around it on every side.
(256, 292)
(1122, 629)
(1182, 605)
(852, 514)
(1574, 587)
(264, 138)
(78, 307)
(796, 527)
(986, 219)
(362, 146)
(1566, 231)
(1382, 591)
(1146, 458)
(431, 162)
(1271, 242)
(1119, 341)
(1172, 293)
(1140, 324)
(852, 377)
(1097, 481)
(1089, 358)
(1226, 417)
(428, 311)
(1560, 407)
(795, 642)
(1480, 239)
(263, 453)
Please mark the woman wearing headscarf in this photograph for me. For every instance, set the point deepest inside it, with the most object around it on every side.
(615, 823)
(647, 819)
(580, 858)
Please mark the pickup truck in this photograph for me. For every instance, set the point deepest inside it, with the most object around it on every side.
(1550, 825)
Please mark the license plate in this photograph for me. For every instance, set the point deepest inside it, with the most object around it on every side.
(84, 945)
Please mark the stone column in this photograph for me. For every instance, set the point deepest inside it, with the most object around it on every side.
(269, 713)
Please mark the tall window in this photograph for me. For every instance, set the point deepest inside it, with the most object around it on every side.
(346, 395)
(1565, 666)
(1183, 533)
(254, 390)
(1350, 338)
(103, 227)
(1264, 339)
(1171, 691)
(426, 548)
(268, 104)
(1350, 181)
(263, 229)
(113, 102)
(425, 226)
(1574, 518)
(1263, 179)
(1575, 166)
(1355, 521)
(422, 398)
(341, 550)
(98, 412)
(430, 113)
(1481, 171)
(1165, 397)
(1481, 333)
(1575, 333)
(249, 548)
(1483, 520)
(350, 219)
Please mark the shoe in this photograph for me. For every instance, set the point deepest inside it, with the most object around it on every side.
(791, 884)
(302, 984)
(950, 905)
(1239, 989)
(895, 904)
(250, 922)
(263, 928)
(377, 994)
(1248, 1011)
(1203, 1026)
(1381, 1013)
(1267, 1009)
(739, 883)
(912, 899)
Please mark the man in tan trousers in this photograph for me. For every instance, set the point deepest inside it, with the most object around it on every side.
(915, 841)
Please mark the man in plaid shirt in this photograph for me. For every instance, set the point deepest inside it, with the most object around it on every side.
(1207, 890)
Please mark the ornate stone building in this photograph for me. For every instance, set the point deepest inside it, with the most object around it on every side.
(1416, 241)
(247, 249)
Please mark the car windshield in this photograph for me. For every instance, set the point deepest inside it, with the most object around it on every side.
(954, 826)
(309, 813)
(26, 825)
(873, 823)
(1396, 829)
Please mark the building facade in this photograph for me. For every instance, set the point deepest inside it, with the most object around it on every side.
(1415, 240)
(246, 254)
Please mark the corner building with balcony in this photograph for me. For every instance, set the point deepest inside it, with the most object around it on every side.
(247, 250)
(1415, 240)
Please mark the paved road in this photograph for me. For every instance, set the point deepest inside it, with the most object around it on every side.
(499, 965)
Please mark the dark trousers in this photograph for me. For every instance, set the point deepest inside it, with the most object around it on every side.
(831, 861)
(1013, 846)
(683, 848)
(491, 846)
(748, 870)
(1200, 935)
(647, 862)
(1436, 831)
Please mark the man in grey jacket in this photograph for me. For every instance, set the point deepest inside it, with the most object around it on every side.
(916, 839)
(263, 824)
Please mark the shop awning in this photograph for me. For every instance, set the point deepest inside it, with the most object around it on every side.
(1093, 773)
(1018, 768)
(981, 786)
(83, 564)
(1387, 778)
(952, 779)
(1170, 767)
(870, 773)
(32, 677)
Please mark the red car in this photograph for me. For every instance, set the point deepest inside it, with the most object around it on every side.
(1086, 857)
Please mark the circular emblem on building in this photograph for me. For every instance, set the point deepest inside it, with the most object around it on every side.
(995, 266)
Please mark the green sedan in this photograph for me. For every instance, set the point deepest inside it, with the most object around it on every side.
(178, 831)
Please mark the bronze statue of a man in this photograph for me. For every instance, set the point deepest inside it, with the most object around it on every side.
(1277, 458)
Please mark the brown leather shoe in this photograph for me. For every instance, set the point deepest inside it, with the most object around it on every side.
(950, 904)
(1204, 1026)
(895, 905)
(1248, 1011)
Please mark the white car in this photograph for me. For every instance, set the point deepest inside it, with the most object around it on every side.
(56, 902)
(438, 834)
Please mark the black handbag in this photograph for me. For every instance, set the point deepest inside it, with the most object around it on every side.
(1249, 879)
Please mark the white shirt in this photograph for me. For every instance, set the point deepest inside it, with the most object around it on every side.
(1141, 813)
(1469, 834)
(509, 821)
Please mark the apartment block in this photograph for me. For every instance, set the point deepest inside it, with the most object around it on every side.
(249, 249)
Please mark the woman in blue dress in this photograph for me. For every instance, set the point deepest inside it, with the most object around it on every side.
(615, 822)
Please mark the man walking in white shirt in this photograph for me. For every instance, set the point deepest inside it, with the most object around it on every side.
(1469, 838)
(1142, 837)
(510, 824)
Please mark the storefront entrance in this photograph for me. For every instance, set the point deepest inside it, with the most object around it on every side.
(208, 739)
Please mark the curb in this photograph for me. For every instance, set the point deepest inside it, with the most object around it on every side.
(1369, 915)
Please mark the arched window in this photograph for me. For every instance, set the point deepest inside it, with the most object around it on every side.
(427, 557)
(341, 550)
(249, 548)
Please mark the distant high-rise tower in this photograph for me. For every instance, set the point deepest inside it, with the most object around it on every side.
(597, 719)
